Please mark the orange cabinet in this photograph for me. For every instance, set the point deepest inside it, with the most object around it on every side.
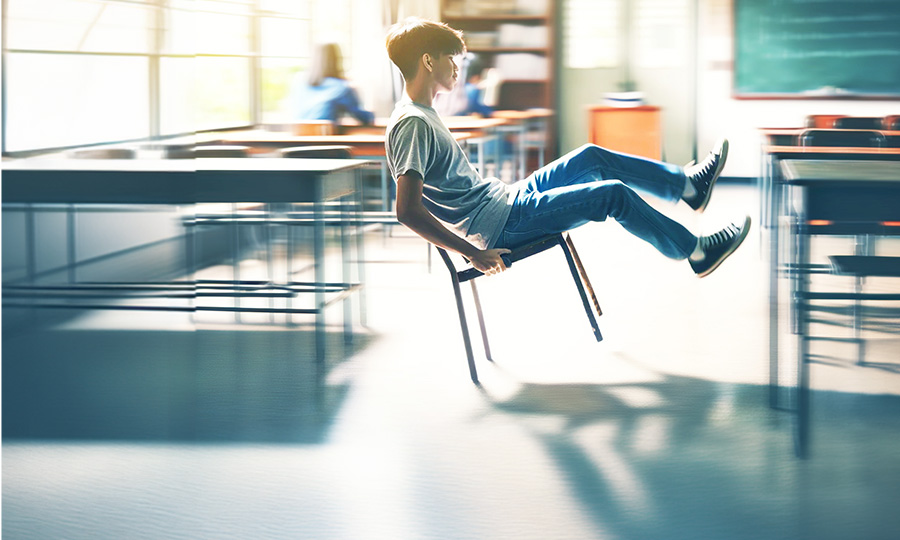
(633, 130)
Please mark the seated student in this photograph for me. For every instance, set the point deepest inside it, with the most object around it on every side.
(325, 94)
(443, 199)
(474, 92)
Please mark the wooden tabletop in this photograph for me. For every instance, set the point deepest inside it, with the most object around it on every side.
(361, 144)
(175, 181)
(825, 151)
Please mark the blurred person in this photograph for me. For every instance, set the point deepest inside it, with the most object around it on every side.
(474, 91)
(325, 93)
(443, 199)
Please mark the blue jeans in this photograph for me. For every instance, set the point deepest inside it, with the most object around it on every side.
(591, 184)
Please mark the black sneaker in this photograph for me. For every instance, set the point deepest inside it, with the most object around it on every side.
(703, 175)
(717, 247)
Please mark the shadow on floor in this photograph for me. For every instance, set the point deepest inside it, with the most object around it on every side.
(237, 385)
(644, 460)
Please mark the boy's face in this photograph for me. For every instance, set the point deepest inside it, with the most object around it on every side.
(446, 71)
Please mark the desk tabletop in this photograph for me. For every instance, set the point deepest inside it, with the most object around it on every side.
(264, 136)
(826, 152)
(254, 165)
(797, 130)
(454, 123)
(808, 171)
(527, 114)
(177, 181)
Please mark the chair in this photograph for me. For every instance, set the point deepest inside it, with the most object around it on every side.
(317, 152)
(469, 274)
(313, 127)
(861, 267)
(859, 122)
(822, 120)
(842, 138)
(190, 151)
(848, 266)
(104, 153)
(892, 122)
(221, 151)
(71, 211)
(303, 214)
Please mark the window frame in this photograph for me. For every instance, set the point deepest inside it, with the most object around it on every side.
(254, 57)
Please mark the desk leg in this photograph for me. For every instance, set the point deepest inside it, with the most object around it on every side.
(772, 193)
(346, 277)
(30, 245)
(385, 195)
(236, 258)
(802, 413)
(319, 265)
(523, 153)
(360, 247)
(71, 238)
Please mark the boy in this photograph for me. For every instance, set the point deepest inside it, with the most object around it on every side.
(444, 200)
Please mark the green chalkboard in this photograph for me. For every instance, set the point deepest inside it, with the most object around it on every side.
(817, 48)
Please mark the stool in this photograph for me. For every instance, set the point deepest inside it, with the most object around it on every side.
(582, 283)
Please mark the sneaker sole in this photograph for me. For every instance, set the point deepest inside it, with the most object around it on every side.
(744, 232)
(719, 166)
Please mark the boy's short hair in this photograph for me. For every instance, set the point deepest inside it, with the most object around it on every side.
(409, 39)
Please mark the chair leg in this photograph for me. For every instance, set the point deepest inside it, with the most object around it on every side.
(484, 338)
(583, 273)
(467, 342)
(566, 245)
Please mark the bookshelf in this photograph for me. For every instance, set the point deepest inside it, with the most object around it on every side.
(518, 37)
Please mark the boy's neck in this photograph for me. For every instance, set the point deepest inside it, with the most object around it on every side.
(420, 91)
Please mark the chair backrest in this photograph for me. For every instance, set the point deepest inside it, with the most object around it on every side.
(859, 122)
(104, 153)
(178, 151)
(218, 151)
(892, 122)
(320, 152)
(822, 120)
(313, 127)
(842, 137)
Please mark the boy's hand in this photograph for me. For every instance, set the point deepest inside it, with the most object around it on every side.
(488, 261)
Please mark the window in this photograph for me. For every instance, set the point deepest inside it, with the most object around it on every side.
(91, 71)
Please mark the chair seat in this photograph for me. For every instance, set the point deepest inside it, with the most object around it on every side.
(865, 266)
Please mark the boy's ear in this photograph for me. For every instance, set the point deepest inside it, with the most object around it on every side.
(428, 61)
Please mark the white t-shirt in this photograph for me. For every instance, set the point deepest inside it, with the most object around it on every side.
(472, 207)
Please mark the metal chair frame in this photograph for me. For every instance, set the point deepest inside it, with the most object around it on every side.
(582, 283)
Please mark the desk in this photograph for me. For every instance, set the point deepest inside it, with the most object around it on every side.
(529, 121)
(859, 194)
(475, 129)
(772, 210)
(231, 180)
(365, 145)
(788, 136)
(633, 130)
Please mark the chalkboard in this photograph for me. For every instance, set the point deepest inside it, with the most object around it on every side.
(817, 48)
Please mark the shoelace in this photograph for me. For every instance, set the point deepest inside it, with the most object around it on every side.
(721, 237)
(701, 172)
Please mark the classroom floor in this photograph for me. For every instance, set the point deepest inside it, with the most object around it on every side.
(152, 425)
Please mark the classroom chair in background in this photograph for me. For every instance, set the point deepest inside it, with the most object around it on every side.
(842, 138)
(859, 122)
(825, 121)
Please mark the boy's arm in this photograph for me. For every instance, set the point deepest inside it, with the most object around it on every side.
(412, 213)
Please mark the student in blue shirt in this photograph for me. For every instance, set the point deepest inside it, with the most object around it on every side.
(326, 94)
(474, 93)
